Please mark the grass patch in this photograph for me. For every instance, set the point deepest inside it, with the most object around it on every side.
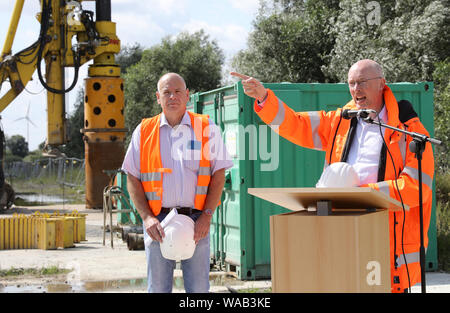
(45, 271)
(46, 186)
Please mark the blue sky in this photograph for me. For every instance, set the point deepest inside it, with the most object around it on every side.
(145, 22)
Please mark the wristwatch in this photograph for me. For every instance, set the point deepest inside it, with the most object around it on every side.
(209, 212)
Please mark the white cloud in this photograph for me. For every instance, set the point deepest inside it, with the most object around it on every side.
(153, 7)
(230, 38)
(133, 28)
(169, 7)
(249, 6)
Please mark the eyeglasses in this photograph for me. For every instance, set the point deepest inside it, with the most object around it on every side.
(361, 83)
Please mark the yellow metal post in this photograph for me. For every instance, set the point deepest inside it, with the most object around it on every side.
(6, 222)
(68, 233)
(59, 236)
(82, 226)
(34, 231)
(16, 232)
(2, 234)
(29, 233)
(49, 234)
(12, 28)
(55, 79)
(21, 231)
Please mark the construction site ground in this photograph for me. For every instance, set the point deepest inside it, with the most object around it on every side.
(94, 267)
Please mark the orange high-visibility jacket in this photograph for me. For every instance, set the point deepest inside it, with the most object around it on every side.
(328, 131)
(152, 171)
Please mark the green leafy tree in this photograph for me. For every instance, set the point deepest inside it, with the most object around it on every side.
(442, 114)
(318, 40)
(17, 145)
(128, 56)
(290, 41)
(75, 146)
(193, 56)
(406, 37)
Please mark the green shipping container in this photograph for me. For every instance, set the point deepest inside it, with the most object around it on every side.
(123, 218)
(240, 235)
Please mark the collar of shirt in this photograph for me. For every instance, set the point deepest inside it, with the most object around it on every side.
(186, 120)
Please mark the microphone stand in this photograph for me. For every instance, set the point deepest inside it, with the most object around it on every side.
(417, 146)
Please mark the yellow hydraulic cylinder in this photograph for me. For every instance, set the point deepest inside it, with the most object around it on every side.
(54, 75)
(55, 103)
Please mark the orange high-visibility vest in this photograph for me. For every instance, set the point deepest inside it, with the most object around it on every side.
(328, 131)
(152, 171)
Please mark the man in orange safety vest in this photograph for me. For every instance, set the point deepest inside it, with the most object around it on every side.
(381, 162)
(170, 164)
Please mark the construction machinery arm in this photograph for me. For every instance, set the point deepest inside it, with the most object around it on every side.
(69, 37)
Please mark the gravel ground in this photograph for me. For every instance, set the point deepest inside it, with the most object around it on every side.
(98, 268)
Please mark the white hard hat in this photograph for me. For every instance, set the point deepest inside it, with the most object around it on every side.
(178, 244)
(339, 174)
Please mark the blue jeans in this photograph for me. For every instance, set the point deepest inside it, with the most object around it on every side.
(195, 270)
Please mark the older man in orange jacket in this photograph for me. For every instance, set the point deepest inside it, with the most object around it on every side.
(381, 162)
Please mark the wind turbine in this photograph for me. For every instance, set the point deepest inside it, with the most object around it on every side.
(27, 118)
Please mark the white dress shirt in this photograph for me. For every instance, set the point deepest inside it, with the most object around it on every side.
(178, 155)
(364, 154)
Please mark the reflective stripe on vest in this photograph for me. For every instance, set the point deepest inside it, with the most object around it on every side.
(384, 187)
(279, 118)
(413, 257)
(155, 176)
(315, 123)
(414, 173)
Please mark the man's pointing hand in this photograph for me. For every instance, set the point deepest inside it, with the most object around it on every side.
(252, 87)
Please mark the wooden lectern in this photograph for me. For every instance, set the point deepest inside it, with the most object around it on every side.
(336, 240)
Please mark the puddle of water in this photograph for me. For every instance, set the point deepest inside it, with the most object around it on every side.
(111, 285)
(92, 286)
(39, 199)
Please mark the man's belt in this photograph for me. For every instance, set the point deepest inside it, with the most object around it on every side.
(184, 211)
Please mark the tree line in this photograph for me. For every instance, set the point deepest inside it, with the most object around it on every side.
(300, 41)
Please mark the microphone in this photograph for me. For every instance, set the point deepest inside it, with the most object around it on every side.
(364, 113)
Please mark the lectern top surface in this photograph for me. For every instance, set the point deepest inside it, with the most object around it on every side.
(297, 199)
